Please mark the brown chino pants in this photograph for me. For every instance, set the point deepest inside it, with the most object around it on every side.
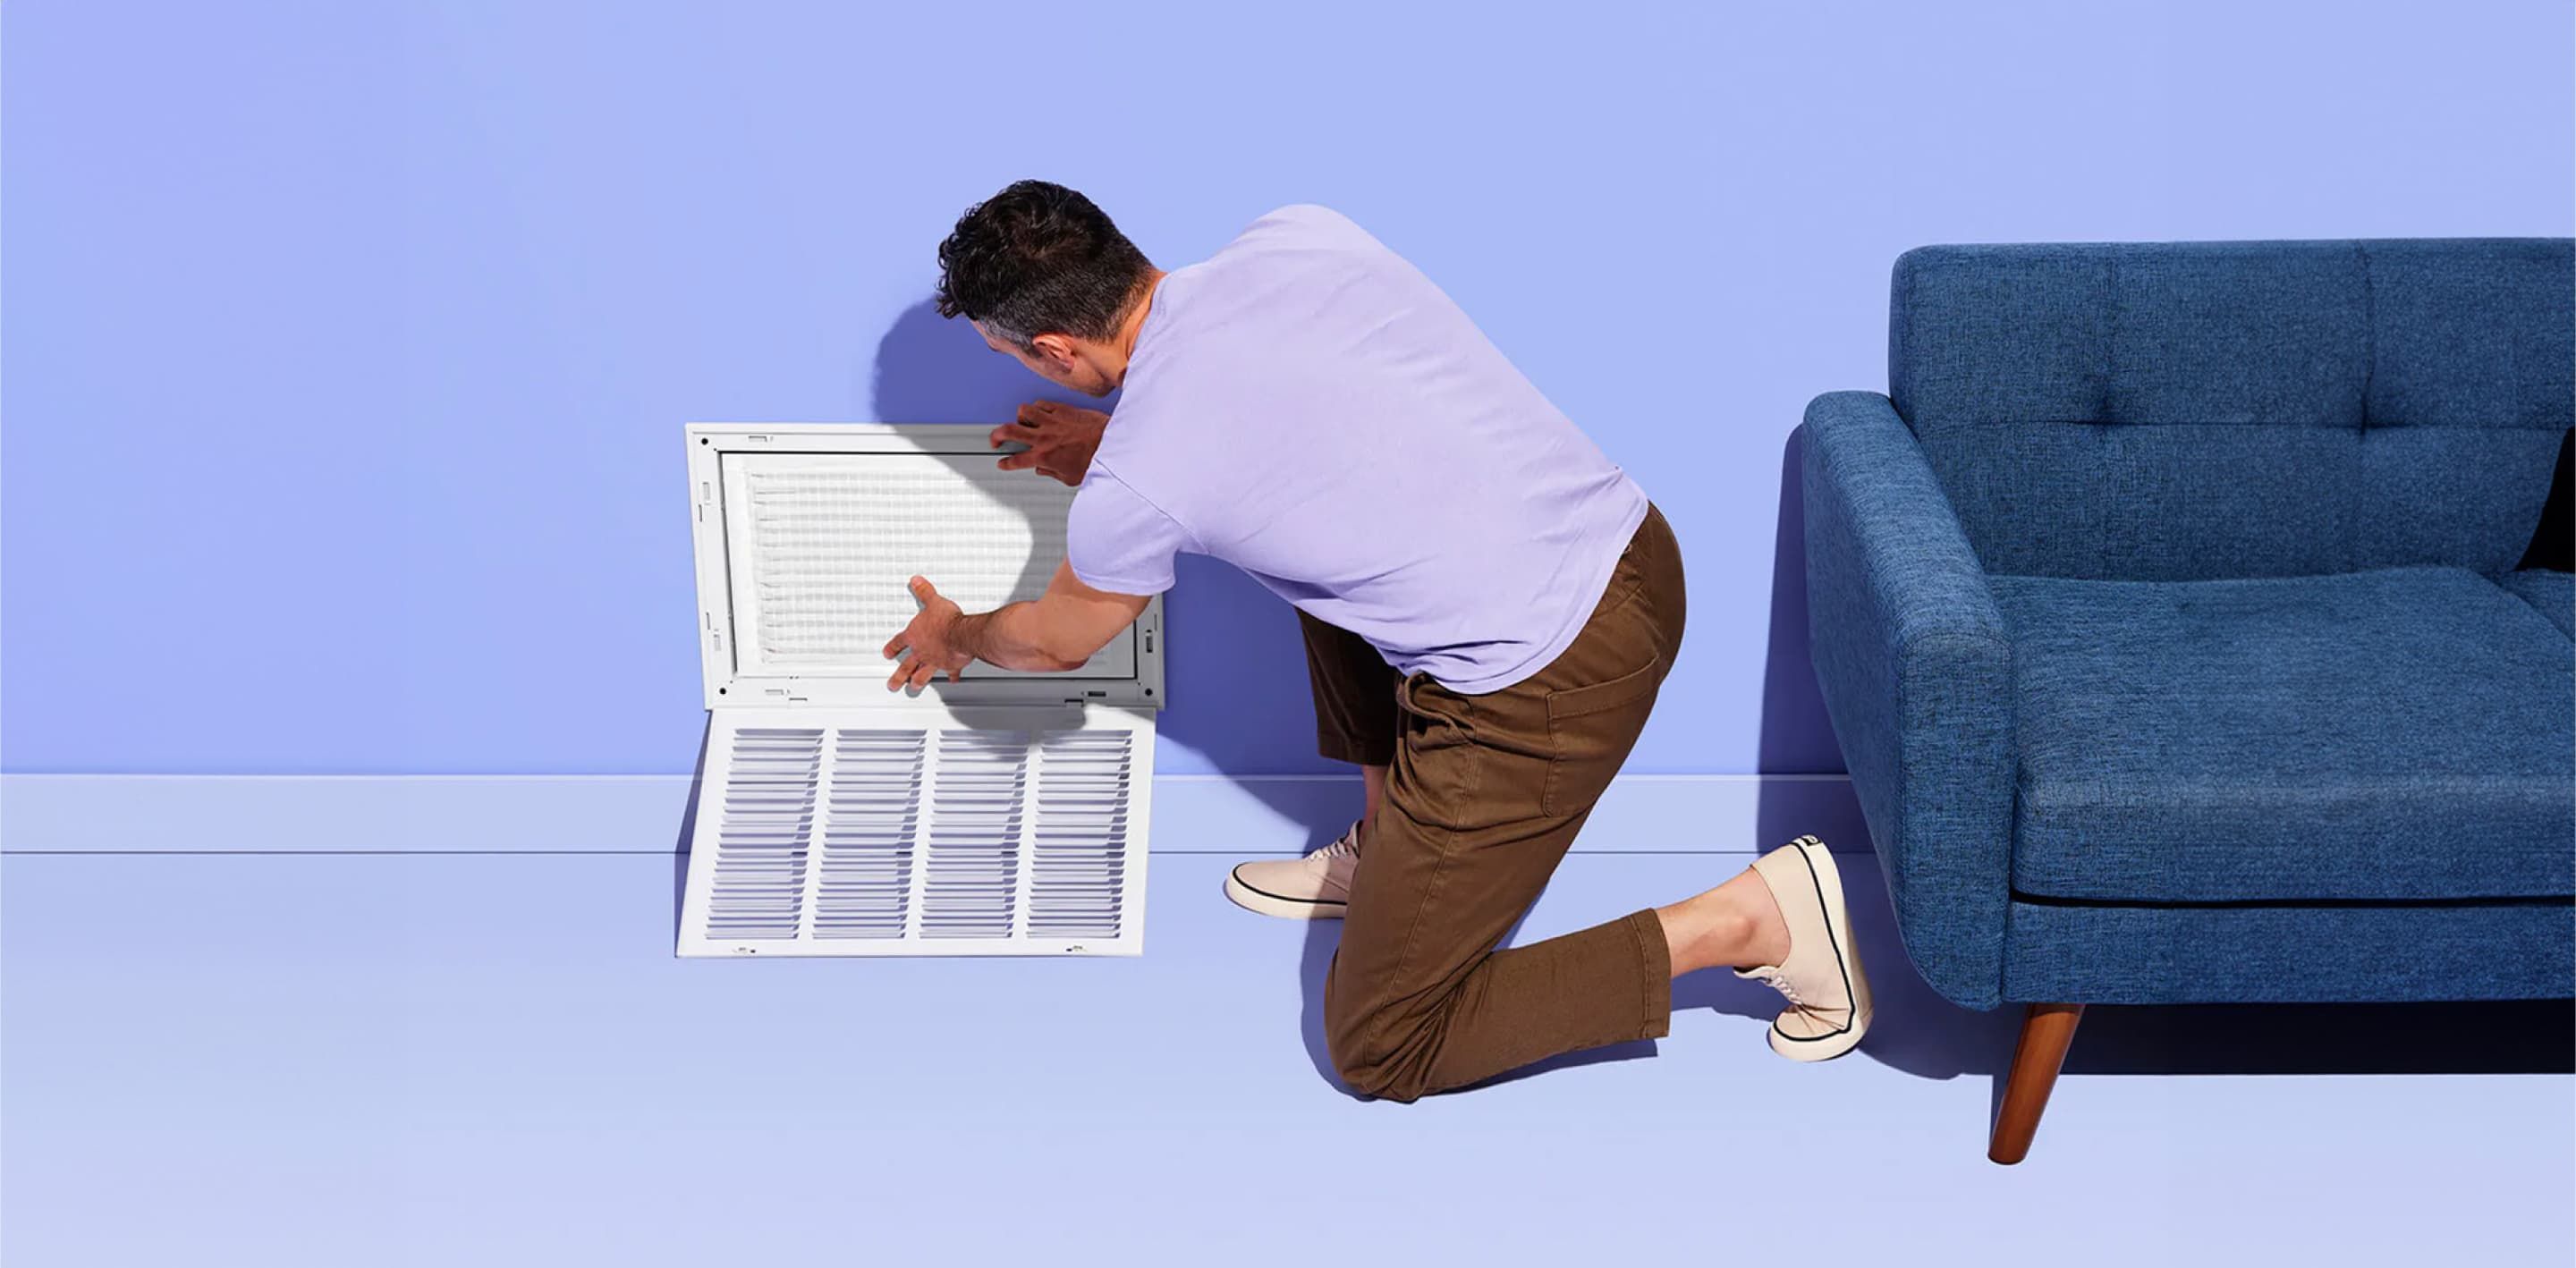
(1484, 795)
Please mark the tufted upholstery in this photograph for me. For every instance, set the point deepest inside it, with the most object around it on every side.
(2196, 410)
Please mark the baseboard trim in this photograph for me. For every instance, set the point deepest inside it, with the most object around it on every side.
(643, 814)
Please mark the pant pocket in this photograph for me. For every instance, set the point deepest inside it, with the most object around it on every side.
(1590, 730)
(1469, 762)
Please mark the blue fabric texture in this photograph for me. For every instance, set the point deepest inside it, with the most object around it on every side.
(1917, 676)
(2184, 411)
(2165, 611)
(2553, 593)
(2288, 954)
(2405, 733)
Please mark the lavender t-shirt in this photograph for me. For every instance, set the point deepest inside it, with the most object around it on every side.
(1308, 407)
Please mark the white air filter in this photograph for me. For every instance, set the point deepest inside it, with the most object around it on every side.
(1002, 814)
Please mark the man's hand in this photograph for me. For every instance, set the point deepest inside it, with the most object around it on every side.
(928, 637)
(1060, 438)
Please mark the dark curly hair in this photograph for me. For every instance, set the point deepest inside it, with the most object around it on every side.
(1036, 259)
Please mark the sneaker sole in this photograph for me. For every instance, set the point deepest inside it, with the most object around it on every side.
(1285, 908)
(1829, 891)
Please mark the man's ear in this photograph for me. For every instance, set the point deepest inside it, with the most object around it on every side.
(1056, 350)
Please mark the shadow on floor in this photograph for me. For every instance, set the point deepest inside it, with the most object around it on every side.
(1924, 1035)
(688, 824)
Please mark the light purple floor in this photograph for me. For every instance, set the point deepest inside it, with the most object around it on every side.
(360, 1060)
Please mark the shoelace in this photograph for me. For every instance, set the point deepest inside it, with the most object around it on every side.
(1779, 981)
(1344, 847)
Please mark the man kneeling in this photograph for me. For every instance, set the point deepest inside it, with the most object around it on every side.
(1490, 605)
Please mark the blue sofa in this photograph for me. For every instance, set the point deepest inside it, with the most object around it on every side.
(2168, 612)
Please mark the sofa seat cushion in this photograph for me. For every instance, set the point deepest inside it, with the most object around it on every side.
(2554, 593)
(2397, 734)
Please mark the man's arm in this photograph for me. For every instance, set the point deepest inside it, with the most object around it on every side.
(1056, 631)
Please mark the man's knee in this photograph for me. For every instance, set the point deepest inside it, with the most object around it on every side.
(1378, 1052)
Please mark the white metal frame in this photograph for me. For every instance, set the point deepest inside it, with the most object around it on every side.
(728, 686)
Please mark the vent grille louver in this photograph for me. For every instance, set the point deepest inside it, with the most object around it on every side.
(873, 815)
(764, 833)
(1079, 859)
(977, 799)
(986, 832)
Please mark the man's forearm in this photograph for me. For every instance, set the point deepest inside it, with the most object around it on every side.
(1008, 636)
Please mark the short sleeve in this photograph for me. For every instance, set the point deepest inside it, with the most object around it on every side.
(1117, 541)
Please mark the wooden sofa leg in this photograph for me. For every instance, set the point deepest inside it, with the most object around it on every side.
(2046, 1030)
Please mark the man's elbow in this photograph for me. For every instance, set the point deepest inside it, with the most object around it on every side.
(1061, 659)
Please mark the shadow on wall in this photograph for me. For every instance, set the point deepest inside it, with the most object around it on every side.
(933, 369)
(688, 824)
(1236, 665)
(1797, 738)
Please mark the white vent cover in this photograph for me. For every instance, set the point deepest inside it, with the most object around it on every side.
(1004, 814)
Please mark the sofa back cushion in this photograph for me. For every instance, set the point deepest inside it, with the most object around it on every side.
(2184, 411)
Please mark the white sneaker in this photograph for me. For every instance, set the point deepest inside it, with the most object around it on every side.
(1316, 887)
(1829, 1006)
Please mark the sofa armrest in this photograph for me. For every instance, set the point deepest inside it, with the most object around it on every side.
(1917, 675)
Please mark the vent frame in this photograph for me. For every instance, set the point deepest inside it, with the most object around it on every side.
(728, 683)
